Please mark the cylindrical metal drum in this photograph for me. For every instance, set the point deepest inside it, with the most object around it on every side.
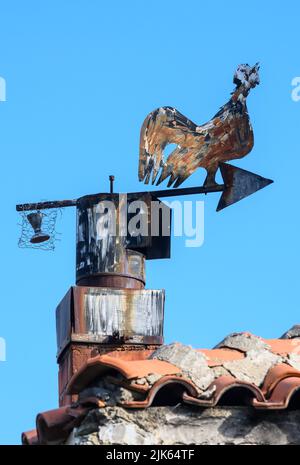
(102, 256)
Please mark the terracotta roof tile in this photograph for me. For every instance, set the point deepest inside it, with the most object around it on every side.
(103, 364)
(30, 438)
(178, 385)
(277, 374)
(221, 386)
(54, 426)
(282, 394)
(284, 346)
(216, 357)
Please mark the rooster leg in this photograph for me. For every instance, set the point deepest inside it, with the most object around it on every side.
(210, 180)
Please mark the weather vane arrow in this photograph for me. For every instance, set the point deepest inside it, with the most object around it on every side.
(237, 184)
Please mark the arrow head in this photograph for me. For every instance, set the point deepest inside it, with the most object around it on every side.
(239, 184)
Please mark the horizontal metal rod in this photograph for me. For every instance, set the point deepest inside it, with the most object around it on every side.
(46, 205)
(161, 193)
(188, 191)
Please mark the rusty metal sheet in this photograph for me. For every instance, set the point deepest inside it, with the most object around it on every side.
(64, 320)
(100, 315)
(115, 312)
(227, 136)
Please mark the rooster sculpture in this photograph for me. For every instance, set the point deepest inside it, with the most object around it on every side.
(227, 136)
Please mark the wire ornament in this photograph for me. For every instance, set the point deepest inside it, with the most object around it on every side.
(47, 229)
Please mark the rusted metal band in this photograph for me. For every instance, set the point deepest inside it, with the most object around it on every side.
(114, 280)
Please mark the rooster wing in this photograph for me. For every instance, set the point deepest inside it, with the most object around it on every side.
(164, 126)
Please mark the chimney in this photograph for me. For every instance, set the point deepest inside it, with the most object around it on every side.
(109, 309)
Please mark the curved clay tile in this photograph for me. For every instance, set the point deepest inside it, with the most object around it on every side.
(101, 365)
(221, 386)
(281, 395)
(176, 383)
(30, 438)
(55, 425)
(277, 374)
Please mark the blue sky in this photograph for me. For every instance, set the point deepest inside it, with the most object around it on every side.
(81, 77)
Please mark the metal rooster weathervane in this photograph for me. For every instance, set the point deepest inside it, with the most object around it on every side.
(227, 136)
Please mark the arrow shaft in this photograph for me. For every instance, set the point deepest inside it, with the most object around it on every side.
(46, 205)
(238, 183)
(160, 193)
(188, 191)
